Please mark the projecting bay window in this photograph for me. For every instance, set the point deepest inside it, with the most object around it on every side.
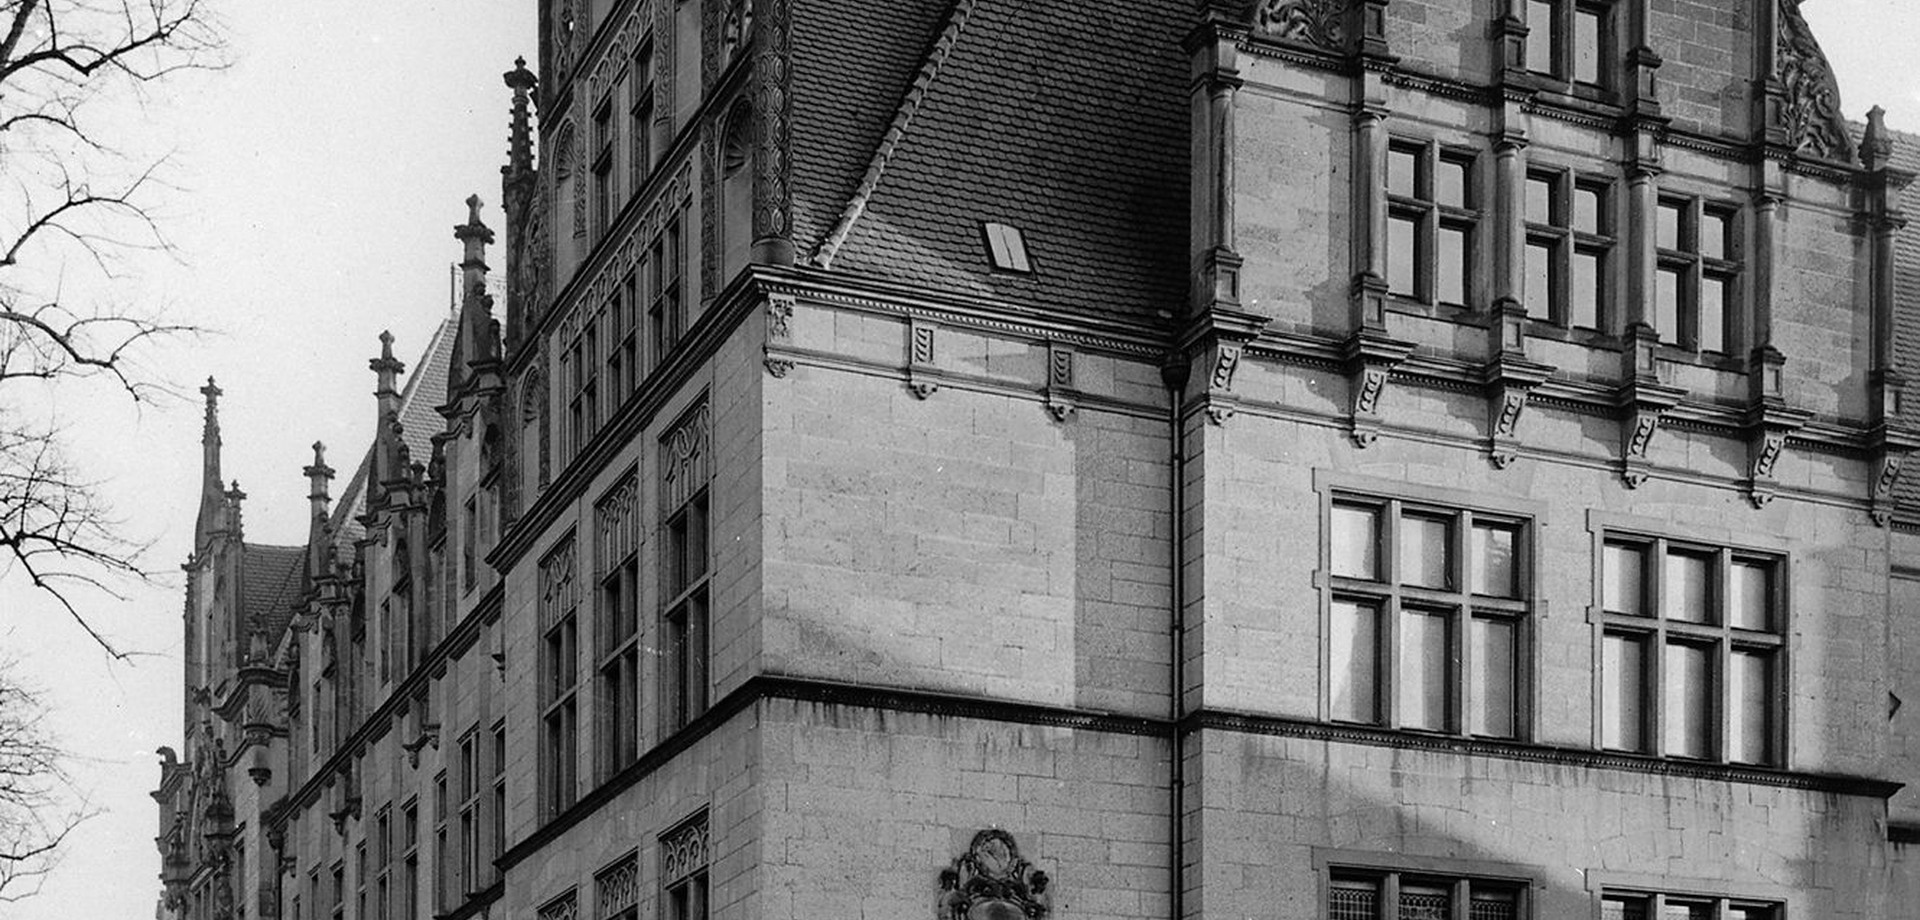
(1569, 243)
(1696, 295)
(1432, 211)
(1571, 40)
(1406, 896)
(1692, 644)
(1427, 617)
(1677, 907)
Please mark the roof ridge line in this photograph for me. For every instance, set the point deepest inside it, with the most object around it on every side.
(903, 116)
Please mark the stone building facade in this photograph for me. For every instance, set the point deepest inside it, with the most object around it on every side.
(1293, 458)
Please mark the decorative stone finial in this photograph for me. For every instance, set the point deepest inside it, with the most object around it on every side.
(1876, 146)
(386, 366)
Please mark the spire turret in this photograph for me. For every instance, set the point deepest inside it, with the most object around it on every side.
(389, 465)
(518, 183)
(476, 346)
(318, 473)
(212, 517)
(519, 126)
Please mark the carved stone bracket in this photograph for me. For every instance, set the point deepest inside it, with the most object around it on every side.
(920, 358)
(991, 882)
(779, 334)
(1891, 446)
(1509, 382)
(1370, 357)
(1215, 342)
(429, 735)
(1061, 396)
(1642, 405)
(1769, 422)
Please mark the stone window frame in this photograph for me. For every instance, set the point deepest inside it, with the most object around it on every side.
(1566, 240)
(616, 624)
(443, 885)
(1338, 870)
(1523, 609)
(617, 888)
(605, 189)
(1657, 631)
(1561, 38)
(410, 859)
(1426, 205)
(1693, 267)
(1761, 901)
(685, 857)
(684, 590)
(559, 677)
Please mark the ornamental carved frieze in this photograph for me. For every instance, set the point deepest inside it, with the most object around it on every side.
(779, 333)
(990, 881)
(1810, 113)
(684, 851)
(1322, 23)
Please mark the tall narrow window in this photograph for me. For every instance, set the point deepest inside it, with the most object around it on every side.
(559, 667)
(1426, 615)
(499, 834)
(683, 870)
(471, 858)
(469, 542)
(443, 882)
(404, 905)
(604, 188)
(736, 193)
(617, 626)
(1692, 641)
(686, 467)
(640, 110)
(1695, 295)
(1569, 244)
(1432, 210)
(665, 319)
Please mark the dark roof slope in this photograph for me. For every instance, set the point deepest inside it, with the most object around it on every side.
(1066, 121)
(270, 586)
(1906, 295)
(843, 101)
(420, 420)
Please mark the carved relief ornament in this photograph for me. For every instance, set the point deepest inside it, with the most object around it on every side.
(1322, 23)
(1810, 114)
(992, 882)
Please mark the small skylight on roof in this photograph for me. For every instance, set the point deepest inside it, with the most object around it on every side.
(1007, 248)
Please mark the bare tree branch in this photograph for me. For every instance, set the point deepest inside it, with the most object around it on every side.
(39, 806)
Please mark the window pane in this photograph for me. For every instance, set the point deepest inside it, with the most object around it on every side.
(1666, 225)
(1492, 905)
(1540, 199)
(1714, 228)
(1713, 314)
(1425, 902)
(1355, 545)
(1583, 304)
(1752, 587)
(1354, 652)
(1666, 305)
(1424, 653)
(1493, 563)
(1401, 255)
(1450, 183)
(1625, 579)
(1749, 726)
(1353, 901)
(1688, 595)
(1587, 209)
(1586, 46)
(1540, 36)
(1689, 704)
(1450, 266)
(1426, 556)
(1402, 167)
(1687, 910)
(1492, 679)
(1538, 292)
(1623, 670)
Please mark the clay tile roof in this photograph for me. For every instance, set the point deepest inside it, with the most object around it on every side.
(420, 420)
(1065, 121)
(270, 585)
(1906, 295)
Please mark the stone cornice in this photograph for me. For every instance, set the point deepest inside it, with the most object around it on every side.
(765, 687)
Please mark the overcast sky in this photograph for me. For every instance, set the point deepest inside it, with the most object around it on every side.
(320, 179)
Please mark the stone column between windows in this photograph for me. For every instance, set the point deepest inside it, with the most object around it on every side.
(1758, 326)
(1510, 209)
(1369, 210)
(1643, 199)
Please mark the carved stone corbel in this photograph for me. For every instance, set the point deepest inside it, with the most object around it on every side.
(1213, 345)
(1060, 391)
(1769, 423)
(1643, 399)
(1370, 357)
(779, 334)
(1890, 442)
(429, 735)
(1226, 360)
(920, 358)
(1509, 384)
